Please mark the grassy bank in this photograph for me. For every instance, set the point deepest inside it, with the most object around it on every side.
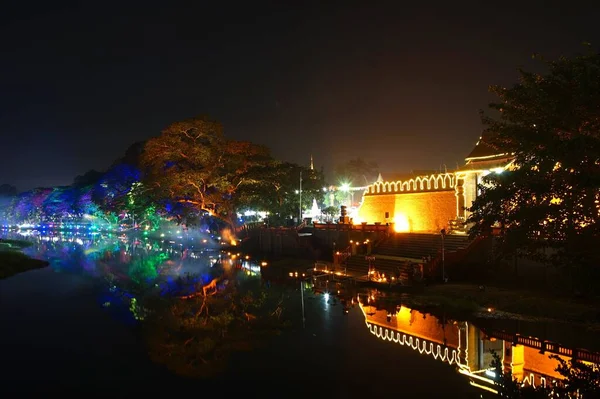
(12, 261)
(469, 299)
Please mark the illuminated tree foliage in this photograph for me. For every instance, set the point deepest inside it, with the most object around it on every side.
(192, 163)
(85, 205)
(110, 192)
(60, 203)
(192, 173)
(548, 205)
(140, 206)
(28, 206)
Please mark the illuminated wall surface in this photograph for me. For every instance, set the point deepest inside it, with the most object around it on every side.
(410, 212)
(465, 345)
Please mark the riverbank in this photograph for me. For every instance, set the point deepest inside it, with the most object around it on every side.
(13, 261)
(492, 302)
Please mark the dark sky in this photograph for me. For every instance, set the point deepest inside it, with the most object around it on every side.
(388, 81)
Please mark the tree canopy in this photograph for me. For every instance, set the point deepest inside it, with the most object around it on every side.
(190, 172)
(192, 163)
(549, 199)
(276, 190)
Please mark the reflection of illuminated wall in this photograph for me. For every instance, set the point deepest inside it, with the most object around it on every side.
(530, 366)
(420, 332)
(466, 346)
(535, 362)
(425, 211)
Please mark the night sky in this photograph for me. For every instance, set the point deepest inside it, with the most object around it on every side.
(392, 82)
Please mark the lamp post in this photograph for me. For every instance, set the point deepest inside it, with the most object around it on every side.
(300, 200)
(443, 234)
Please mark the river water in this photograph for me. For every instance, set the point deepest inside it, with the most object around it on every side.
(63, 329)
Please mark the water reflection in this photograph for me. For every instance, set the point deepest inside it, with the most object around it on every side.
(129, 256)
(468, 347)
(121, 265)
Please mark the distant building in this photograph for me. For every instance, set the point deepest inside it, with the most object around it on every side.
(429, 202)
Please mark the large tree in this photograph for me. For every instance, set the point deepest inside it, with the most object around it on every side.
(192, 163)
(547, 204)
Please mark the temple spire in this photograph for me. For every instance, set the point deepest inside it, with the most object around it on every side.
(380, 178)
(312, 166)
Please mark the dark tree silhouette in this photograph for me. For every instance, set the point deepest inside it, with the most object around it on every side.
(547, 204)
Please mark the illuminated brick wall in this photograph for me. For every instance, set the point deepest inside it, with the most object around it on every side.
(414, 212)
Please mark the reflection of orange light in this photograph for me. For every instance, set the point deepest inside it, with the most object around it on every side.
(403, 316)
(401, 223)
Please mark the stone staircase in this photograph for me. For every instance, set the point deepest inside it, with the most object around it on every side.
(415, 246)
(397, 255)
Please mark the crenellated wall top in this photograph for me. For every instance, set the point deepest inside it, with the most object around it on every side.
(418, 184)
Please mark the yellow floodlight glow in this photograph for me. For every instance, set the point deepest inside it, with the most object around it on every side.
(401, 223)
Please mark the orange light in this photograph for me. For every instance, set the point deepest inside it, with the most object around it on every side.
(401, 223)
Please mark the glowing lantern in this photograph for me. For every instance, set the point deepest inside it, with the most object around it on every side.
(401, 223)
